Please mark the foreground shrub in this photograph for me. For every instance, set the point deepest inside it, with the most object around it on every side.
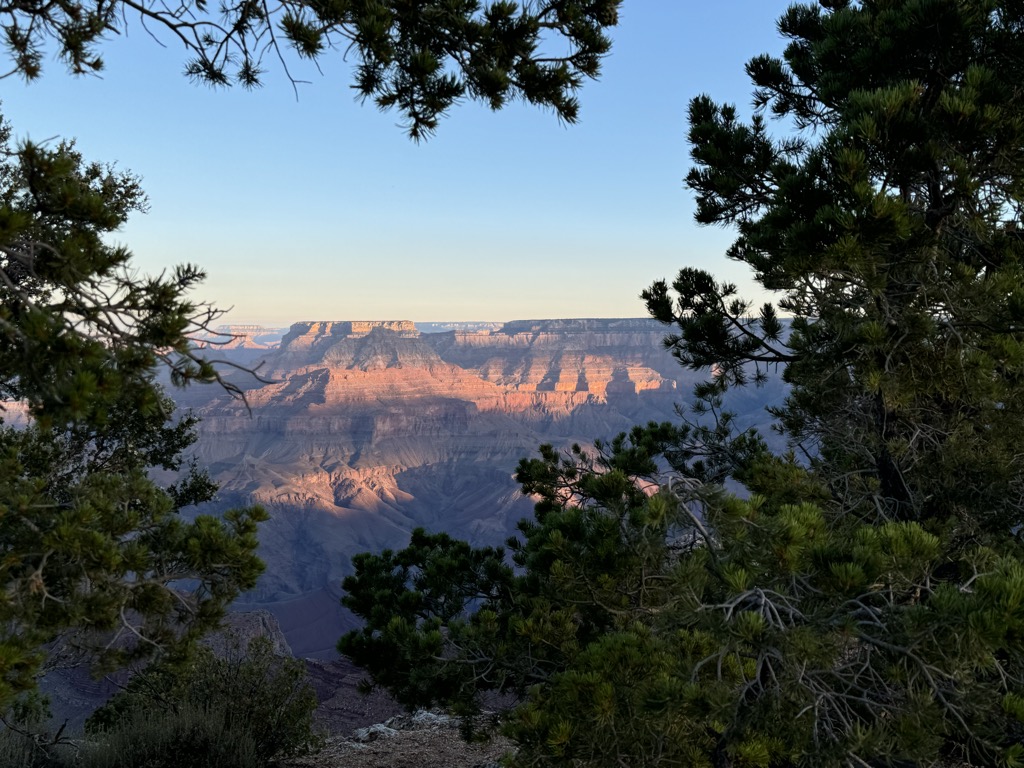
(26, 741)
(761, 633)
(247, 707)
(191, 736)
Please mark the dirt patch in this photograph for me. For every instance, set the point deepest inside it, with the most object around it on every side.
(422, 740)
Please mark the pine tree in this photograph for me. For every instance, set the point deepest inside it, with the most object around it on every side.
(887, 218)
(661, 624)
(94, 551)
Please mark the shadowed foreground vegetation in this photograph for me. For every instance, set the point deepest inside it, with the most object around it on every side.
(246, 707)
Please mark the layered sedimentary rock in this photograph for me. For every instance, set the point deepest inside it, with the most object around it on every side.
(369, 429)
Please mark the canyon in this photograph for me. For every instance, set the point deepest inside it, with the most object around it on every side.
(356, 432)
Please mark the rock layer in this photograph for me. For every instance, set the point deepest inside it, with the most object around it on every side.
(369, 429)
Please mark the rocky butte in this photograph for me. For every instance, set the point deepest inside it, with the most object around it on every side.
(367, 429)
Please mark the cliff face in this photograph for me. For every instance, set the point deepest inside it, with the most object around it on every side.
(371, 429)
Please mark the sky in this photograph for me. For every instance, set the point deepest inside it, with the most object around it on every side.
(317, 207)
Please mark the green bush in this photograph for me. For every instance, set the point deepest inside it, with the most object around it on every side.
(247, 707)
(25, 740)
(20, 750)
(192, 736)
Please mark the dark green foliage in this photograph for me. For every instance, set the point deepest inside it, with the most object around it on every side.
(415, 603)
(244, 708)
(445, 622)
(80, 333)
(889, 221)
(418, 57)
(94, 551)
(790, 640)
(676, 625)
(93, 545)
(26, 740)
(188, 737)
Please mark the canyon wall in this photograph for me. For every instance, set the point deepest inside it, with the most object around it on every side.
(365, 430)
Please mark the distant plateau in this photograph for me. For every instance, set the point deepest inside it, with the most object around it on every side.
(356, 432)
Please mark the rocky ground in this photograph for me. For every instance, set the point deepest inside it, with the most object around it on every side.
(374, 732)
(420, 740)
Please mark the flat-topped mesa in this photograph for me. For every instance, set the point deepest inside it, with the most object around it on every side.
(311, 332)
(583, 325)
(240, 329)
(240, 336)
(363, 327)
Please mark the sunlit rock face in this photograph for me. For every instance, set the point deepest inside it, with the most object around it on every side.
(369, 429)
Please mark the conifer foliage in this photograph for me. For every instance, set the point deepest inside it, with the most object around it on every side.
(888, 219)
(419, 57)
(92, 549)
(862, 603)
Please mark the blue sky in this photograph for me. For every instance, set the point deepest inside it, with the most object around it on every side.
(321, 208)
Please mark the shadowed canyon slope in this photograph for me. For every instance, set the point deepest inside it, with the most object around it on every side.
(370, 429)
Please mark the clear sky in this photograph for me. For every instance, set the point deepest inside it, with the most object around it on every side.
(321, 208)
